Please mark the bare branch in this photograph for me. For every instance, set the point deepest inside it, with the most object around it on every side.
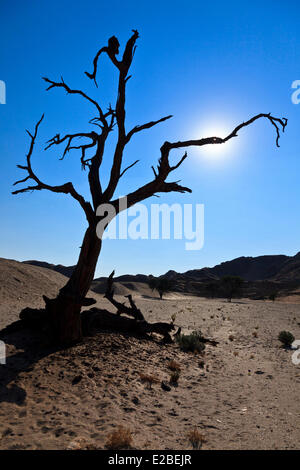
(148, 125)
(130, 166)
(57, 140)
(112, 49)
(133, 311)
(164, 168)
(63, 85)
(120, 117)
(276, 122)
(66, 188)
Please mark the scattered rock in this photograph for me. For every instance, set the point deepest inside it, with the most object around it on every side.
(76, 379)
(165, 386)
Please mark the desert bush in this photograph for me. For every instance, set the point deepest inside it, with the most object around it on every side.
(196, 438)
(120, 438)
(286, 338)
(174, 366)
(174, 377)
(192, 342)
(149, 379)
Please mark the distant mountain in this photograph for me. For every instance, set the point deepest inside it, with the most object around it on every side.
(65, 270)
(249, 268)
(290, 270)
(272, 272)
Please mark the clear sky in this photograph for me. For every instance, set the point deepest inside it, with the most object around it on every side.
(211, 65)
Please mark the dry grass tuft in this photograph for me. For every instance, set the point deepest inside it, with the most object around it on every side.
(149, 379)
(174, 377)
(174, 366)
(196, 438)
(121, 438)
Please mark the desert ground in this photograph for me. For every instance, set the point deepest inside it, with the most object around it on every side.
(241, 394)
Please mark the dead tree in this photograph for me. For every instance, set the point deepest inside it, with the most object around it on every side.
(64, 310)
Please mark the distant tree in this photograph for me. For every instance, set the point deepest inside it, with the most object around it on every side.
(231, 286)
(64, 311)
(160, 284)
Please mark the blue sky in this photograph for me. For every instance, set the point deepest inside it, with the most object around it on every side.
(211, 65)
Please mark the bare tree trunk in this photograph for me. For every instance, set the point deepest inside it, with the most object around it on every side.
(64, 311)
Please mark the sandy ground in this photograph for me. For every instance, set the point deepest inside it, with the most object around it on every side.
(245, 397)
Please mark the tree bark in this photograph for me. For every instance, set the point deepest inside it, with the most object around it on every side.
(64, 311)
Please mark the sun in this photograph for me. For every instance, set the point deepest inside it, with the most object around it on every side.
(216, 151)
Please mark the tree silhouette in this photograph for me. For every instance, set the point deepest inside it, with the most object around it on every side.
(232, 286)
(161, 284)
(64, 311)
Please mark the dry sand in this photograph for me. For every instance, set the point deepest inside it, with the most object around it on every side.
(245, 397)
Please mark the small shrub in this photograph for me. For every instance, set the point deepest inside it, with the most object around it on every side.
(196, 439)
(286, 338)
(121, 438)
(149, 379)
(191, 343)
(174, 377)
(174, 366)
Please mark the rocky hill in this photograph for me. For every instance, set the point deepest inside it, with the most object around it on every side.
(263, 275)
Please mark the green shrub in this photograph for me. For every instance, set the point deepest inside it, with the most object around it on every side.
(286, 338)
(192, 342)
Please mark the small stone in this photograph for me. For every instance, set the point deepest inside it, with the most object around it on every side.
(165, 386)
(76, 379)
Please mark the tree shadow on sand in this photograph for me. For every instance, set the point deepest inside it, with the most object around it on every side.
(28, 349)
(28, 345)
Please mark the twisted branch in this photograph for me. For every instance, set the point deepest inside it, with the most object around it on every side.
(57, 140)
(63, 85)
(66, 188)
(159, 183)
(148, 125)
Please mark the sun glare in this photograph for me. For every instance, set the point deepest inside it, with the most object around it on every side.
(216, 151)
